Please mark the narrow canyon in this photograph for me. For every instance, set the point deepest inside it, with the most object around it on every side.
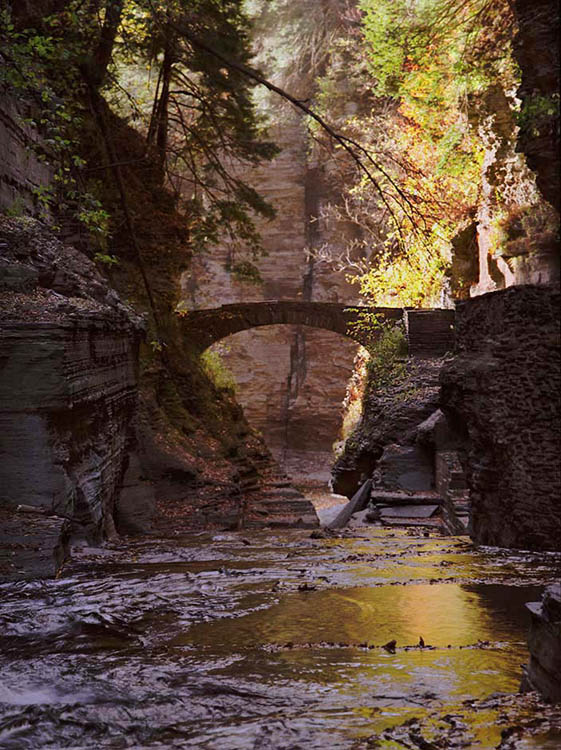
(280, 374)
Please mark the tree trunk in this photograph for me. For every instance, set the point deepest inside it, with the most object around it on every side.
(95, 68)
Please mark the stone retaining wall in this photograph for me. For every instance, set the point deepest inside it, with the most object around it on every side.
(502, 393)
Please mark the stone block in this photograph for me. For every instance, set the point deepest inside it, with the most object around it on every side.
(544, 642)
(435, 433)
(358, 502)
(405, 467)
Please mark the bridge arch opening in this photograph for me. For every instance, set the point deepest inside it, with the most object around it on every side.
(309, 340)
(291, 381)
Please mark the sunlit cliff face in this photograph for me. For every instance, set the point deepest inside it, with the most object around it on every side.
(291, 380)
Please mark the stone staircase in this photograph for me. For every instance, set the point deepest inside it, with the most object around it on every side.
(282, 506)
(445, 507)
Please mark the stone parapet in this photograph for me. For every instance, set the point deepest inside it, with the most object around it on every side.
(430, 333)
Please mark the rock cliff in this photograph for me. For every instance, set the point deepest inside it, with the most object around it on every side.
(107, 413)
(514, 238)
(392, 414)
(536, 48)
(68, 348)
(291, 380)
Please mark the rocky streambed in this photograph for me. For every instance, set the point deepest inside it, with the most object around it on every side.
(276, 640)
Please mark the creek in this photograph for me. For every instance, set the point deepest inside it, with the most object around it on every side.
(275, 640)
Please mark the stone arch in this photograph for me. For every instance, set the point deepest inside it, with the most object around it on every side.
(205, 327)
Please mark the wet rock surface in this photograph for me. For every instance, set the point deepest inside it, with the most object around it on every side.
(391, 417)
(275, 640)
(32, 544)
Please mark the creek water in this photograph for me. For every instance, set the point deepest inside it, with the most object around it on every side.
(275, 640)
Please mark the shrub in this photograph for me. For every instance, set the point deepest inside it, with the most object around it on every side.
(216, 370)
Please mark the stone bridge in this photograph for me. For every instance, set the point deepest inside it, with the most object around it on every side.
(429, 332)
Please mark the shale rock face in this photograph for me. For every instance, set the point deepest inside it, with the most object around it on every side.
(536, 48)
(68, 361)
(291, 379)
(502, 392)
(386, 440)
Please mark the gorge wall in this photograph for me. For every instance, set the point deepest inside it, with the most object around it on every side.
(104, 413)
(499, 405)
(291, 380)
(69, 364)
(501, 391)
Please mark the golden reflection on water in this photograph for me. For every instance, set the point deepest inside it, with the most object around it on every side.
(370, 690)
(313, 642)
(443, 614)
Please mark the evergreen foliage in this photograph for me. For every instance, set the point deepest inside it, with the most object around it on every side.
(200, 119)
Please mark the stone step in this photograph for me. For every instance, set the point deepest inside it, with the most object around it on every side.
(408, 511)
(273, 507)
(277, 505)
(433, 523)
(303, 521)
(283, 502)
(386, 498)
(282, 492)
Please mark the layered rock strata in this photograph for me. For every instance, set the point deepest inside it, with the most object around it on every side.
(32, 544)
(291, 380)
(501, 392)
(68, 385)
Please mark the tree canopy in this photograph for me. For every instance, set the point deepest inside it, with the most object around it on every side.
(197, 115)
